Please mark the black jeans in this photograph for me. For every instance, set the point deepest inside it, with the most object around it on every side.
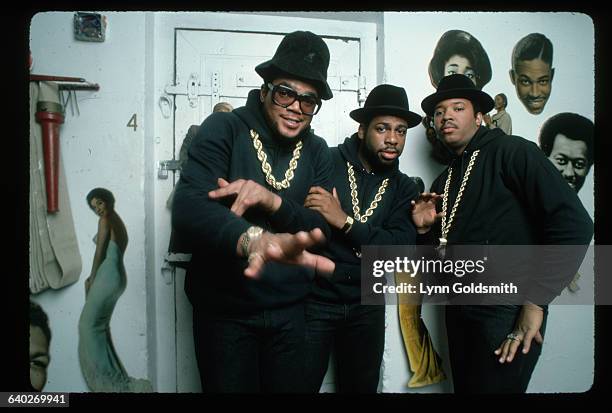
(474, 332)
(356, 333)
(261, 352)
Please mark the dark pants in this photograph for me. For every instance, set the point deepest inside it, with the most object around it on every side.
(474, 332)
(356, 333)
(262, 352)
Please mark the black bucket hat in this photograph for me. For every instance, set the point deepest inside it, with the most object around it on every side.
(457, 86)
(386, 100)
(302, 55)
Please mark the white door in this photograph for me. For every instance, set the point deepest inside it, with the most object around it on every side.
(217, 65)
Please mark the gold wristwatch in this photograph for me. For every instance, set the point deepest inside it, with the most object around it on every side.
(252, 233)
(348, 224)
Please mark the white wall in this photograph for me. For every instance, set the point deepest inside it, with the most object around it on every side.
(99, 150)
(566, 364)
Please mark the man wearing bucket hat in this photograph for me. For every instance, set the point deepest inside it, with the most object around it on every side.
(498, 190)
(369, 204)
(239, 202)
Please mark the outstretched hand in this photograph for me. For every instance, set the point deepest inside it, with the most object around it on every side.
(424, 213)
(247, 194)
(289, 249)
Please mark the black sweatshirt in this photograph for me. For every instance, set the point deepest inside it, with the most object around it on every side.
(515, 196)
(223, 148)
(390, 224)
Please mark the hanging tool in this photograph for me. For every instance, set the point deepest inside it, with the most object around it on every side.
(50, 117)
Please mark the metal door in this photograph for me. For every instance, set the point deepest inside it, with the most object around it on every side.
(216, 65)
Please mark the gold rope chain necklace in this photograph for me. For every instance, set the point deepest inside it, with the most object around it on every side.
(267, 169)
(381, 190)
(446, 225)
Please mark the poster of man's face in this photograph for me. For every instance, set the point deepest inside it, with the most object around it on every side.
(567, 140)
(532, 72)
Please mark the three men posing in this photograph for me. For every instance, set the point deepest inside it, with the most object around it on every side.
(260, 188)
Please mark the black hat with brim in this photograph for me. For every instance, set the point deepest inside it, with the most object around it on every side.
(386, 100)
(457, 86)
(302, 55)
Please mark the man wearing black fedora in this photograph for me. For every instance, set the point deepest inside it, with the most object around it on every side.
(239, 202)
(369, 204)
(498, 190)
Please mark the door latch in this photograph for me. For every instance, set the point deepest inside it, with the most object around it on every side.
(193, 89)
(165, 166)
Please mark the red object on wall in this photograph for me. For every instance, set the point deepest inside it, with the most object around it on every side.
(50, 117)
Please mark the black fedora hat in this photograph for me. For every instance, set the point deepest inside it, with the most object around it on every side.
(457, 86)
(386, 100)
(302, 55)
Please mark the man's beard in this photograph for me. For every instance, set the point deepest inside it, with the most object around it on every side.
(373, 160)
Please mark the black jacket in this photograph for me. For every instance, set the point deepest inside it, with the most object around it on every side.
(223, 148)
(390, 224)
(514, 196)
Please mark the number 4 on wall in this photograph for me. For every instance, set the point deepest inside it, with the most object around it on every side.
(132, 122)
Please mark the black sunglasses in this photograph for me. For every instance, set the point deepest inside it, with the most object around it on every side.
(284, 96)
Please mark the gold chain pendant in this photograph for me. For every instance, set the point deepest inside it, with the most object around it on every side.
(446, 225)
(353, 185)
(267, 169)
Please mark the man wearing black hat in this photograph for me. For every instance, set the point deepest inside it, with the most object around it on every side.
(369, 204)
(498, 190)
(239, 202)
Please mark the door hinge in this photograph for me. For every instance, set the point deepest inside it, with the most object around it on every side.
(344, 83)
(361, 92)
